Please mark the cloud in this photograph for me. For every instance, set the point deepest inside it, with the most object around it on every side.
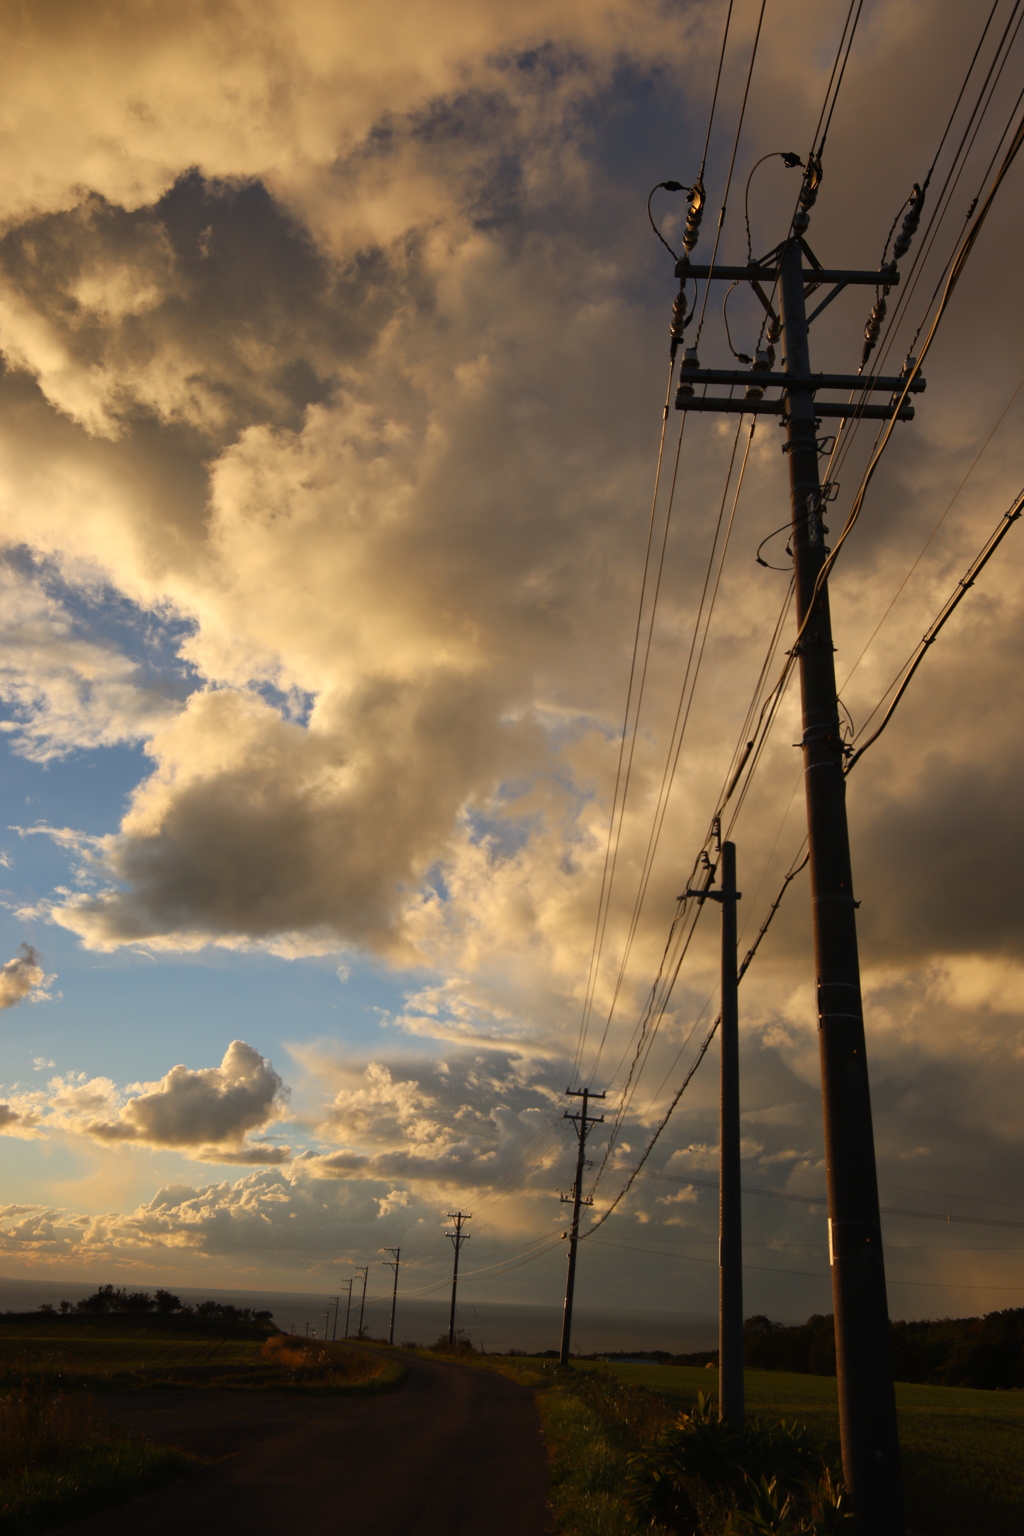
(23, 977)
(67, 692)
(207, 1113)
(189, 1108)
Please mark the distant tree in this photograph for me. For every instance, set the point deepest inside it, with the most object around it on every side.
(166, 1301)
(107, 1299)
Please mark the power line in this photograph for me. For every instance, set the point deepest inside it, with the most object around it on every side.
(950, 606)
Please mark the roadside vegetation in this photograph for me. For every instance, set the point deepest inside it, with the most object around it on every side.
(63, 1454)
(636, 1447)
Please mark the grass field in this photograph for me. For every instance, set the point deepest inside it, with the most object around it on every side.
(114, 1351)
(62, 1453)
(963, 1450)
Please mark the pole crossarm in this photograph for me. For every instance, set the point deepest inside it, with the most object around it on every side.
(890, 384)
(757, 272)
(830, 408)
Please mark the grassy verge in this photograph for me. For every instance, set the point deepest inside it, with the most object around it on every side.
(61, 1459)
(90, 1479)
(963, 1449)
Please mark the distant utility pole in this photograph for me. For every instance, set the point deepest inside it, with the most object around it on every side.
(867, 1403)
(362, 1305)
(582, 1122)
(458, 1237)
(730, 1218)
(394, 1294)
(334, 1330)
(348, 1304)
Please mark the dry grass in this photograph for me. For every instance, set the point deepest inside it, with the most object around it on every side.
(60, 1458)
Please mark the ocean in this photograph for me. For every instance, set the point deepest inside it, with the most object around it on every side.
(493, 1326)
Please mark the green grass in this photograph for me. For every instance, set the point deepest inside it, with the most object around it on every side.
(92, 1478)
(963, 1449)
(121, 1353)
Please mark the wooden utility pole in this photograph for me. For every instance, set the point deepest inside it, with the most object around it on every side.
(730, 1214)
(348, 1304)
(394, 1294)
(362, 1305)
(582, 1122)
(867, 1406)
(458, 1237)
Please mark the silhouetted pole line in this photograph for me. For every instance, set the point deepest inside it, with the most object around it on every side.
(458, 1237)
(867, 1402)
(730, 1217)
(348, 1304)
(393, 1264)
(337, 1304)
(364, 1270)
(582, 1123)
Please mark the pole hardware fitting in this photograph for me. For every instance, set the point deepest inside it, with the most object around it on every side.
(713, 895)
(808, 194)
(690, 365)
(910, 223)
(691, 234)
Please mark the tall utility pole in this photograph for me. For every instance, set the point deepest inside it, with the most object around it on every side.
(348, 1304)
(730, 1216)
(458, 1237)
(334, 1330)
(582, 1122)
(394, 1294)
(362, 1305)
(867, 1406)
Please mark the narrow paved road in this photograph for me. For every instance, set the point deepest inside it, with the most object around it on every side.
(456, 1451)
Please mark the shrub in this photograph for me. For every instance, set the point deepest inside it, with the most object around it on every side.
(698, 1471)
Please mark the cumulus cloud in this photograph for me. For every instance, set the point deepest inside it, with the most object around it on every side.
(23, 977)
(207, 1113)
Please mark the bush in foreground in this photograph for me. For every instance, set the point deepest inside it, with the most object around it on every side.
(699, 1475)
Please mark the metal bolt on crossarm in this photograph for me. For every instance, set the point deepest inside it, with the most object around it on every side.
(582, 1122)
(867, 1402)
(458, 1237)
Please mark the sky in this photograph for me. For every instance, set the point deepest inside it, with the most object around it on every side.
(334, 352)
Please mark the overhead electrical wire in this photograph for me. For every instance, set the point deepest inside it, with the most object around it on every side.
(909, 669)
(828, 107)
(826, 119)
(608, 872)
(625, 761)
(691, 673)
(728, 179)
(929, 540)
(957, 266)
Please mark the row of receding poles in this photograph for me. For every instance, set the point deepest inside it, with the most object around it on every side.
(364, 1270)
(458, 1237)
